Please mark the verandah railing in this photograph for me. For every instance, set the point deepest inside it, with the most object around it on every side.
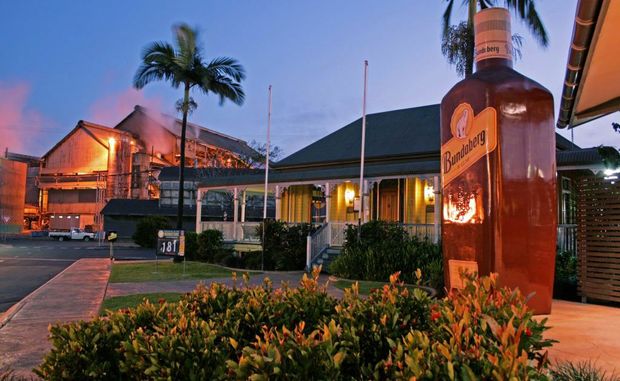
(247, 232)
(234, 231)
(567, 238)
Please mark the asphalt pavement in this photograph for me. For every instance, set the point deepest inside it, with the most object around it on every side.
(26, 264)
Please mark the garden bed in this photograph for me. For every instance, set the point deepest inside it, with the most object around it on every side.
(302, 333)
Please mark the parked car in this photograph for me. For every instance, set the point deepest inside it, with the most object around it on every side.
(72, 234)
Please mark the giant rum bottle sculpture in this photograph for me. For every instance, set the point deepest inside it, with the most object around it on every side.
(498, 171)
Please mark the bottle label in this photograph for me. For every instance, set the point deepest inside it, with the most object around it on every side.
(492, 34)
(473, 137)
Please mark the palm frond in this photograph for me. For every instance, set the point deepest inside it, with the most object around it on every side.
(185, 39)
(225, 88)
(526, 11)
(536, 25)
(517, 44)
(227, 66)
(446, 18)
(157, 64)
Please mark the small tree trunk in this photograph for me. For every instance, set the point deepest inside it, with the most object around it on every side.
(180, 203)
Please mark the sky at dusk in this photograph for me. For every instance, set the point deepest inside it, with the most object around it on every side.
(67, 60)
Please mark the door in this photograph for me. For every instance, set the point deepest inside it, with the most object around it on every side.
(388, 209)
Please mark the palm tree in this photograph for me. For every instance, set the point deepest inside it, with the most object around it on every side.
(458, 41)
(183, 65)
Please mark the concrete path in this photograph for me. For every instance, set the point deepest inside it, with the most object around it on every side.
(292, 278)
(586, 332)
(74, 294)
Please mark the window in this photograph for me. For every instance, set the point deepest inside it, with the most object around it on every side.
(567, 202)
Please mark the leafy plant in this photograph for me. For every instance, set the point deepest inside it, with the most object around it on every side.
(581, 371)
(146, 230)
(284, 245)
(566, 277)
(210, 244)
(261, 333)
(384, 248)
(191, 245)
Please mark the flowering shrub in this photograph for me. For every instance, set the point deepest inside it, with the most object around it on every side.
(262, 333)
(381, 248)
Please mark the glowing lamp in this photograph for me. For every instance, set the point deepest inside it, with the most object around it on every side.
(111, 142)
(429, 194)
(349, 195)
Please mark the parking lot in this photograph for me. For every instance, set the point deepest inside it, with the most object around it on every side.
(26, 264)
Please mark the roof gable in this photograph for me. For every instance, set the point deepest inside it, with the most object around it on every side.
(92, 129)
(406, 132)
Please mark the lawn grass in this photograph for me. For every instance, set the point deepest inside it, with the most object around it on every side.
(365, 285)
(150, 271)
(130, 301)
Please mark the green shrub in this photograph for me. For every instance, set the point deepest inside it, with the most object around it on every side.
(210, 244)
(261, 333)
(582, 371)
(191, 245)
(146, 230)
(566, 277)
(292, 255)
(284, 245)
(384, 248)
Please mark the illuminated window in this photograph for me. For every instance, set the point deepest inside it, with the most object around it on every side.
(463, 207)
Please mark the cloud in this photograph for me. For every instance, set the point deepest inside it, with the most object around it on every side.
(21, 125)
(111, 109)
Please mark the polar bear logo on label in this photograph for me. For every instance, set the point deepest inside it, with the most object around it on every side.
(462, 120)
(461, 125)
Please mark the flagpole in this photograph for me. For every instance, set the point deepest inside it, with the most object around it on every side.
(262, 259)
(361, 187)
(267, 155)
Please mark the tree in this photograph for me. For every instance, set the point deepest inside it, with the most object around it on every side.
(183, 66)
(257, 160)
(458, 40)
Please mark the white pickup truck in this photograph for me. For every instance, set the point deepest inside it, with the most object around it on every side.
(73, 234)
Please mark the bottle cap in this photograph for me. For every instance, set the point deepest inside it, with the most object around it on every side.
(493, 38)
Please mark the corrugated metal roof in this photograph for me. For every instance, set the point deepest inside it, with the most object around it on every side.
(410, 131)
(588, 156)
(126, 207)
(192, 174)
(343, 172)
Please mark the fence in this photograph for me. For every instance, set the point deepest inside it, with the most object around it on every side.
(422, 231)
(598, 233)
(235, 231)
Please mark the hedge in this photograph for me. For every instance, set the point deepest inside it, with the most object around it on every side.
(262, 333)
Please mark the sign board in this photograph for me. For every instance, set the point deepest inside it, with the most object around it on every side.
(171, 242)
(356, 204)
(111, 236)
(473, 137)
(456, 270)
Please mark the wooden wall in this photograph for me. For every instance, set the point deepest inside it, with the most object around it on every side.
(80, 153)
(598, 238)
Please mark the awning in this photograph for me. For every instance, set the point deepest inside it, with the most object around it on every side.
(592, 83)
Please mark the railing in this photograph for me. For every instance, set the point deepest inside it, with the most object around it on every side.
(337, 233)
(317, 242)
(421, 231)
(234, 231)
(567, 237)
